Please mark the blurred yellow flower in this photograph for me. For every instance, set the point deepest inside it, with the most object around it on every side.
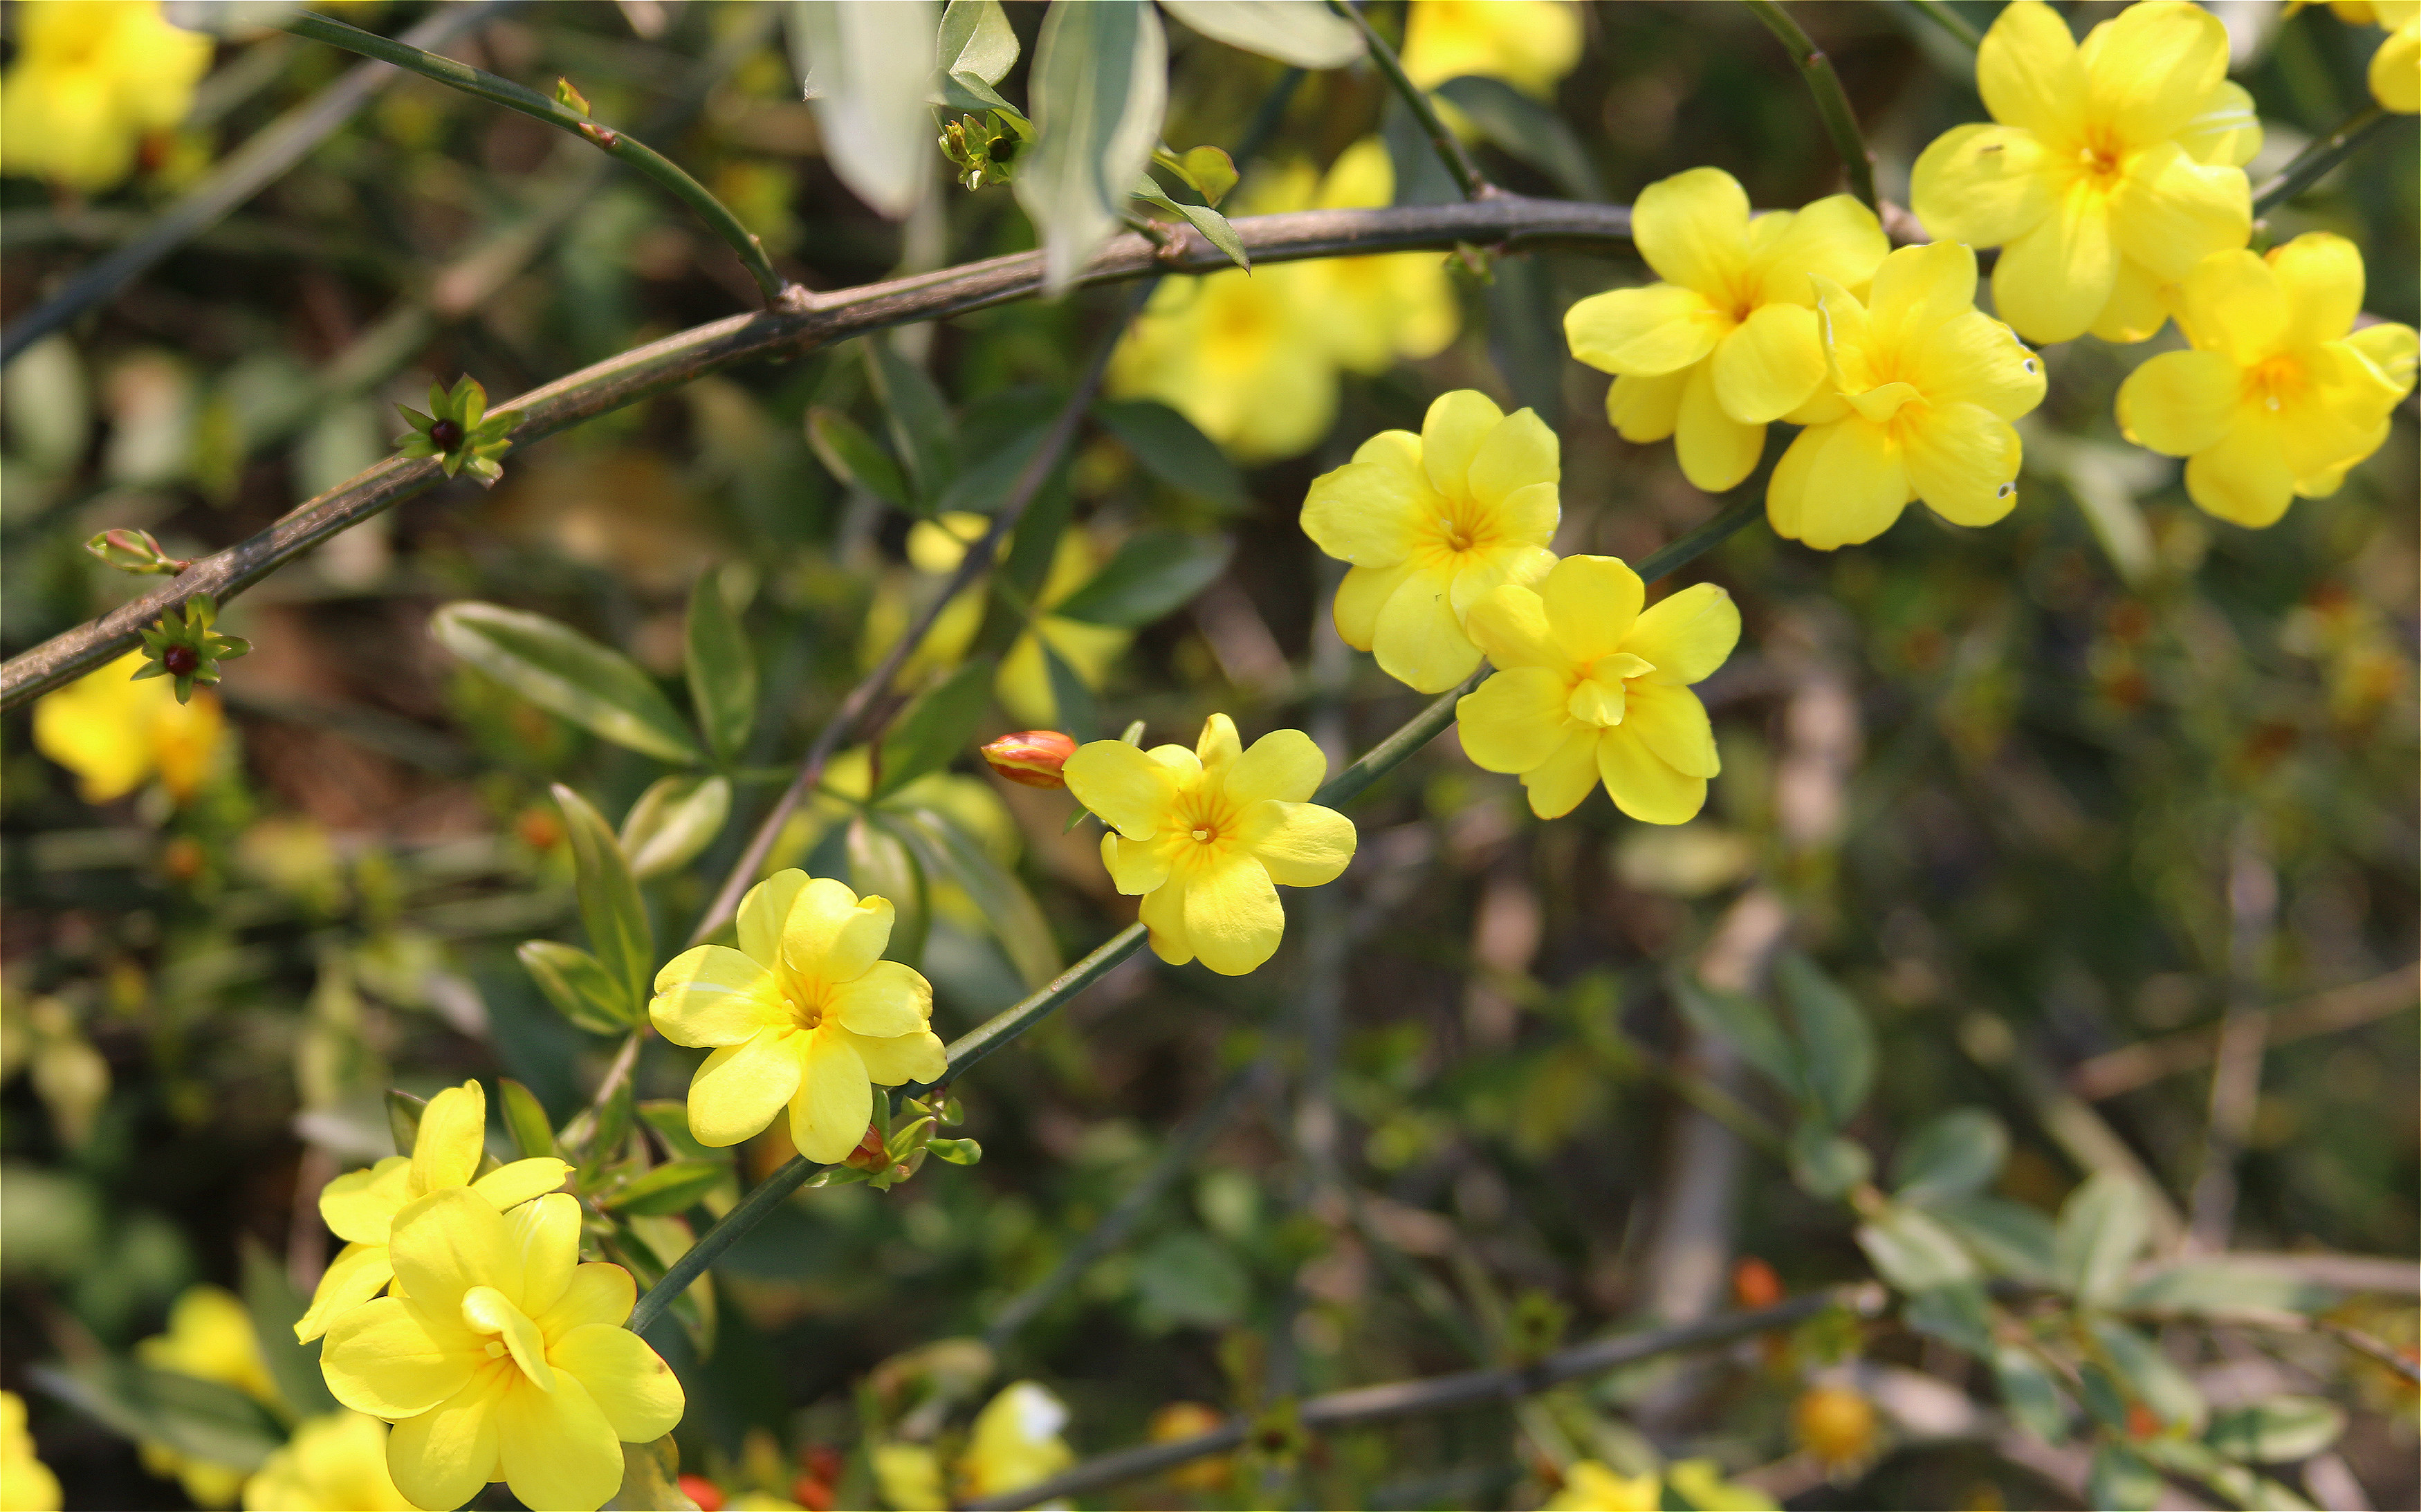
(805, 1012)
(114, 732)
(1252, 358)
(1202, 834)
(210, 1337)
(1925, 385)
(1432, 522)
(1594, 690)
(360, 1206)
(1591, 1487)
(2395, 67)
(1701, 1483)
(26, 1485)
(935, 549)
(89, 78)
(2115, 167)
(334, 1463)
(1530, 44)
(2280, 395)
(1016, 1442)
(503, 1359)
(910, 1477)
(1729, 341)
(1834, 1424)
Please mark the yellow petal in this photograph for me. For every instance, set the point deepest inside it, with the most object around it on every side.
(2232, 303)
(490, 1311)
(453, 1135)
(1510, 625)
(2332, 423)
(1769, 366)
(1715, 451)
(1643, 332)
(1233, 919)
(2245, 479)
(1856, 486)
(1643, 410)
(1451, 435)
(2391, 349)
(2321, 276)
(627, 1381)
(1836, 236)
(763, 913)
(831, 934)
(1217, 748)
(1163, 914)
(830, 1110)
(2180, 402)
(1692, 229)
(1518, 453)
(520, 1182)
(902, 1058)
(1642, 783)
(740, 1087)
(1284, 764)
(1528, 516)
(359, 1205)
(1919, 288)
(597, 1293)
(2168, 211)
(1501, 565)
(1136, 866)
(1984, 185)
(2227, 129)
(1972, 359)
(448, 1242)
(2151, 68)
(358, 1274)
(1359, 599)
(444, 1456)
(2395, 71)
(1515, 721)
(1591, 603)
(1419, 642)
(1557, 785)
(1299, 845)
(716, 995)
(1880, 405)
(1130, 790)
(1673, 724)
(2053, 281)
(384, 1358)
(1962, 461)
(2138, 306)
(1685, 637)
(557, 1448)
(889, 999)
(1364, 513)
(2028, 72)
(545, 1235)
(1786, 491)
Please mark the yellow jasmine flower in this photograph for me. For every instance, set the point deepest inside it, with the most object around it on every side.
(90, 79)
(1591, 1487)
(1432, 522)
(805, 1012)
(504, 1358)
(210, 1337)
(114, 733)
(2395, 67)
(2279, 395)
(1927, 386)
(1371, 310)
(334, 1463)
(26, 1485)
(1530, 44)
(1202, 834)
(910, 1477)
(1594, 690)
(1016, 1442)
(360, 1206)
(2115, 167)
(1729, 341)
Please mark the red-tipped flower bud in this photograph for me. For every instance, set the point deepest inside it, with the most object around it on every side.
(1031, 757)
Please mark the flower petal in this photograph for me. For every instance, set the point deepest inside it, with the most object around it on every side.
(597, 1293)
(1233, 918)
(2151, 68)
(740, 1087)
(2227, 129)
(715, 995)
(1528, 516)
(1962, 461)
(1136, 866)
(445, 1244)
(890, 999)
(1643, 332)
(1556, 786)
(833, 934)
(1515, 721)
(902, 1058)
(1510, 624)
(389, 1359)
(1642, 783)
(1359, 597)
(1769, 366)
(1836, 236)
(1299, 845)
(1364, 512)
(358, 1274)
(1687, 635)
(1643, 410)
(2322, 275)
(2053, 281)
(1715, 451)
(2180, 402)
(1505, 565)
(359, 1205)
(1518, 453)
(1419, 642)
(489, 1311)
(1857, 485)
(446, 1455)
(2391, 349)
(763, 913)
(2138, 306)
(1130, 789)
(1673, 724)
(1451, 435)
(544, 1237)
(835, 1102)
(1591, 603)
(2028, 72)
(453, 1135)
(627, 1381)
(557, 1448)
(2245, 479)
(1972, 358)
(1918, 290)
(2395, 72)
(1786, 491)
(2169, 212)
(511, 1185)
(2232, 303)
(1983, 185)
(1284, 764)
(1693, 228)
(1163, 914)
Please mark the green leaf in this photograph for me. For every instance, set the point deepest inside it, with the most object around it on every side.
(610, 908)
(1953, 1156)
(1152, 574)
(1212, 225)
(1305, 33)
(1209, 171)
(2194, 1460)
(937, 728)
(2102, 1399)
(674, 819)
(977, 38)
(1834, 1035)
(669, 1118)
(2221, 1285)
(2148, 1377)
(579, 985)
(671, 1187)
(2276, 1430)
(1073, 709)
(2120, 1481)
(949, 853)
(923, 436)
(1174, 451)
(525, 1119)
(2011, 1239)
(566, 673)
(1747, 1025)
(1957, 1313)
(854, 458)
(1823, 1163)
(1913, 1252)
(1528, 129)
(721, 670)
(200, 1419)
(275, 1307)
(984, 484)
(956, 1151)
(882, 865)
(864, 70)
(606, 1141)
(403, 1113)
(1099, 87)
(2029, 1392)
(2101, 1227)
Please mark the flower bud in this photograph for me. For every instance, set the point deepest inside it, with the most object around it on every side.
(134, 551)
(1032, 758)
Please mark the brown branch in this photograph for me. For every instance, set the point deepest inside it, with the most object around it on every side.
(2345, 1007)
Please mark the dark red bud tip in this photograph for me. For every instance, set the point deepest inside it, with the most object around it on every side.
(446, 434)
(1031, 757)
(181, 661)
(869, 1154)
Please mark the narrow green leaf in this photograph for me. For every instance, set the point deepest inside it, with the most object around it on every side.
(2276, 1430)
(618, 934)
(197, 1418)
(1528, 129)
(669, 1118)
(1833, 1035)
(564, 672)
(2102, 1226)
(1212, 225)
(1745, 1025)
(2150, 1377)
(671, 1187)
(275, 1306)
(1152, 574)
(950, 854)
(527, 1120)
(975, 38)
(1953, 1156)
(722, 669)
(882, 865)
(1957, 1313)
(985, 482)
(2219, 1285)
(579, 985)
(923, 435)
(865, 70)
(1174, 451)
(1099, 87)
(2029, 1392)
(937, 728)
(674, 819)
(854, 458)
(2120, 1481)
(1305, 33)
(2010, 1239)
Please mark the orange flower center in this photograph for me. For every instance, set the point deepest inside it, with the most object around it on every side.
(2099, 157)
(2275, 382)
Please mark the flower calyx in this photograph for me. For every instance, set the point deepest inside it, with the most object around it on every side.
(984, 150)
(1030, 759)
(883, 1160)
(135, 551)
(460, 432)
(186, 648)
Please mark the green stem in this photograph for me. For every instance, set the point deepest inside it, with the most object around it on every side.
(1832, 101)
(2309, 166)
(511, 96)
(1950, 20)
(1450, 150)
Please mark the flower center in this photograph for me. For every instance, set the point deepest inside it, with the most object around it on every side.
(2099, 158)
(1205, 833)
(805, 1000)
(1207, 825)
(2275, 382)
(1601, 696)
(488, 1311)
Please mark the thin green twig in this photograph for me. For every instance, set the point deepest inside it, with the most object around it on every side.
(1450, 150)
(1950, 20)
(504, 92)
(1832, 101)
(2311, 164)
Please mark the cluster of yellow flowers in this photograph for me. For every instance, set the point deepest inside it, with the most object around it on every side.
(1015, 1444)
(91, 78)
(1592, 1486)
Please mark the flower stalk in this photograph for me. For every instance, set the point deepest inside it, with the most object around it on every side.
(1832, 101)
(1450, 150)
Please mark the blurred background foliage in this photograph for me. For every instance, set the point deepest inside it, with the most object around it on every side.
(2033, 795)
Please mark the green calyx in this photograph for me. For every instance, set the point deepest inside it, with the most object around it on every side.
(460, 432)
(984, 150)
(186, 648)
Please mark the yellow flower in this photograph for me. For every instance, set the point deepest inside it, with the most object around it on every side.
(2395, 67)
(360, 1206)
(114, 732)
(1016, 1442)
(504, 1358)
(1729, 341)
(211, 1338)
(1432, 522)
(2276, 399)
(805, 1012)
(1202, 834)
(1834, 1424)
(333, 1463)
(1927, 386)
(1252, 359)
(2115, 166)
(1700, 1483)
(1530, 44)
(90, 77)
(910, 1477)
(26, 1485)
(1594, 690)
(1590, 1487)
